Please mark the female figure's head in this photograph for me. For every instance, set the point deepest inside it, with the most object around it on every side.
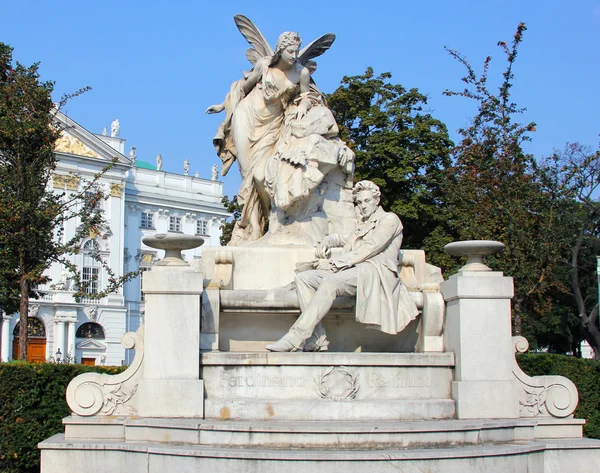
(286, 51)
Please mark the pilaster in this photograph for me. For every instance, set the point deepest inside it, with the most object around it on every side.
(5, 355)
(171, 384)
(478, 330)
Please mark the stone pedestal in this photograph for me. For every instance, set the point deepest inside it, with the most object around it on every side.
(171, 384)
(478, 330)
(462, 406)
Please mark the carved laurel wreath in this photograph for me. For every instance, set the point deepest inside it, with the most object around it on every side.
(351, 379)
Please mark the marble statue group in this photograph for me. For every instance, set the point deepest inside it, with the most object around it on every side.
(297, 182)
(296, 172)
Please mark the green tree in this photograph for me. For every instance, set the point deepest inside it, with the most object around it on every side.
(572, 178)
(493, 190)
(398, 145)
(32, 216)
(235, 210)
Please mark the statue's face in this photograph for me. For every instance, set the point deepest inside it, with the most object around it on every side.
(289, 55)
(366, 203)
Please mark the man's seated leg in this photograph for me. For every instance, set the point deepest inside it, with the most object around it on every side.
(331, 285)
(307, 283)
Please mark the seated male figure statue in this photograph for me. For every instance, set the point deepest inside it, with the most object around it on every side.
(367, 269)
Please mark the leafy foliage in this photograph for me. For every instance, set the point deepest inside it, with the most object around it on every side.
(584, 373)
(32, 406)
(32, 216)
(398, 145)
(494, 190)
(571, 179)
(542, 211)
(233, 208)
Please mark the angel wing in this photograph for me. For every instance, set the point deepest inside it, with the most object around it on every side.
(249, 31)
(316, 48)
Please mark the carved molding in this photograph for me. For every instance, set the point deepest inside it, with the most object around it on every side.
(60, 181)
(133, 208)
(146, 258)
(223, 277)
(116, 190)
(328, 388)
(543, 396)
(104, 395)
(92, 313)
(71, 145)
(72, 183)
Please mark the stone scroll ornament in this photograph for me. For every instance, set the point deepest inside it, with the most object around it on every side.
(98, 394)
(543, 396)
(296, 172)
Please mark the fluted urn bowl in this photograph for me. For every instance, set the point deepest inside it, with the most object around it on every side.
(173, 244)
(475, 251)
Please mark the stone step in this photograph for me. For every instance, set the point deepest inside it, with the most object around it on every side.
(362, 435)
(60, 455)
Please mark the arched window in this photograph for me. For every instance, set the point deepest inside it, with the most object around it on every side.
(91, 245)
(90, 330)
(35, 328)
(90, 267)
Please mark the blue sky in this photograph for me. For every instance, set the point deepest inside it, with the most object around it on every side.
(157, 65)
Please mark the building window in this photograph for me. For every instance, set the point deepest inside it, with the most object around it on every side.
(175, 224)
(90, 330)
(147, 220)
(202, 227)
(90, 269)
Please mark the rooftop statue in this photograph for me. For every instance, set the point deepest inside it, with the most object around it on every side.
(284, 138)
(115, 128)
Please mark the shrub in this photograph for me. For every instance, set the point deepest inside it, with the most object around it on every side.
(584, 373)
(32, 406)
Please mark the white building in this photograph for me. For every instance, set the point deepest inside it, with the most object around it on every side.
(141, 201)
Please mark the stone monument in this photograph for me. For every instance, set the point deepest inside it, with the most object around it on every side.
(444, 395)
(296, 172)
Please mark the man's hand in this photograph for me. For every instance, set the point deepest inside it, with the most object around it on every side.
(323, 250)
(325, 265)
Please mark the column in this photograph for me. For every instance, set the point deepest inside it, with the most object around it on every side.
(5, 355)
(59, 338)
(71, 340)
(478, 330)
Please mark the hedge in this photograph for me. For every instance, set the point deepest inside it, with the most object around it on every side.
(32, 406)
(32, 401)
(584, 373)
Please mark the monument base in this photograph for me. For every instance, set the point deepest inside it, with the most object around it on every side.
(448, 446)
(327, 386)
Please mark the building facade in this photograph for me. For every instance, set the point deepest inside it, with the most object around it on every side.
(141, 200)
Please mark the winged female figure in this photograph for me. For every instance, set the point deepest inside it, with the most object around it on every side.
(277, 90)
